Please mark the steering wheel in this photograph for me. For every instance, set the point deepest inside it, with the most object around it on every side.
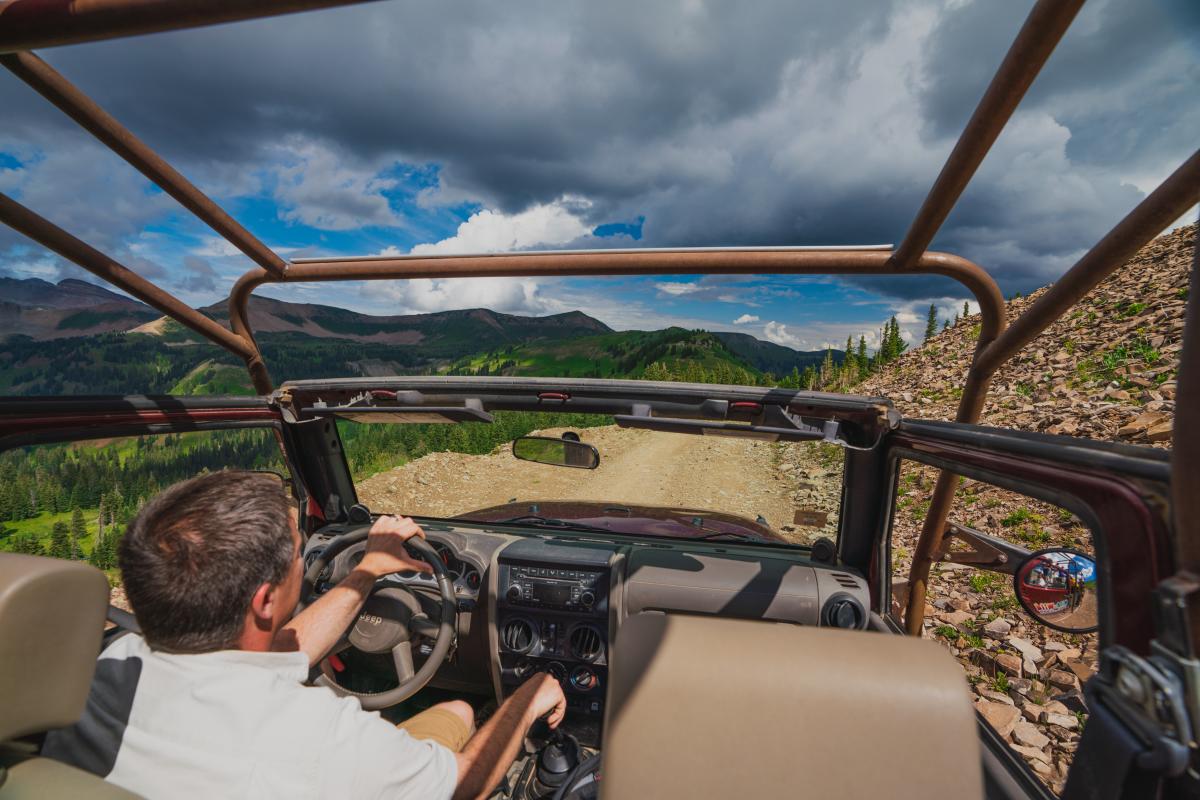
(388, 621)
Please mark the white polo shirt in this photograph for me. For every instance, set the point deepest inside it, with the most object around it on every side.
(240, 724)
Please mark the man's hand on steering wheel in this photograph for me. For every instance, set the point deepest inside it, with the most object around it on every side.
(386, 553)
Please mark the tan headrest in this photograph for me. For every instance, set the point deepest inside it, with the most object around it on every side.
(703, 707)
(51, 621)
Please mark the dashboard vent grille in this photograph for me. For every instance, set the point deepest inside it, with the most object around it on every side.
(517, 636)
(586, 643)
(845, 580)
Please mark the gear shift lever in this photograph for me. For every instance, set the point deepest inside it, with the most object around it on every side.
(557, 761)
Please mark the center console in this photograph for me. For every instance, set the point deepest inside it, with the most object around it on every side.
(552, 616)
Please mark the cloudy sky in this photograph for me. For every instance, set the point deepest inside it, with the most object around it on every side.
(478, 127)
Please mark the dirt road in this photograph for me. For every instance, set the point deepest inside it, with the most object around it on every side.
(736, 476)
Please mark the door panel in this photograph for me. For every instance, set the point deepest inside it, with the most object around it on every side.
(75, 470)
(1042, 490)
(40, 420)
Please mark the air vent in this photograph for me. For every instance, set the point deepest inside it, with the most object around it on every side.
(586, 643)
(517, 636)
(844, 580)
(843, 611)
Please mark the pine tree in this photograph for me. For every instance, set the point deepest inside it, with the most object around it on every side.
(946, 325)
(863, 364)
(78, 531)
(966, 308)
(850, 364)
(827, 368)
(899, 345)
(60, 541)
(26, 543)
(931, 323)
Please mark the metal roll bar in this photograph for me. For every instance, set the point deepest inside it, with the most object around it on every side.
(98, 122)
(1041, 33)
(52, 237)
(623, 262)
(27, 24)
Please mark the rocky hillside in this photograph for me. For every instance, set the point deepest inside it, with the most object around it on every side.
(1105, 371)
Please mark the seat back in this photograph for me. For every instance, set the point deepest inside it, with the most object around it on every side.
(51, 623)
(703, 707)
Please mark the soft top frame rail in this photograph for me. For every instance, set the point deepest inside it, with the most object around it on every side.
(28, 24)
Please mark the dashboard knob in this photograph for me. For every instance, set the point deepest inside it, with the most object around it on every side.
(514, 593)
(587, 599)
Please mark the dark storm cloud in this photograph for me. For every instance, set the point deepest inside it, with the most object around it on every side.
(721, 124)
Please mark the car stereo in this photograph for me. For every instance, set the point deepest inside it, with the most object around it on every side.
(552, 587)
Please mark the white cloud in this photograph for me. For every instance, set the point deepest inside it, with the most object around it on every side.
(778, 333)
(745, 319)
(488, 231)
(677, 289)
(215, 247)
(509, 295)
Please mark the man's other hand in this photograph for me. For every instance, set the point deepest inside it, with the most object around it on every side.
(547, 697)
(385, 547)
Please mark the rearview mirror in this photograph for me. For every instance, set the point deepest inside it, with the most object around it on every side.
(557, 452)
(1058, 588)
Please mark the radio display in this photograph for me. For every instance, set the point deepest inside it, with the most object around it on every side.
(551, 593)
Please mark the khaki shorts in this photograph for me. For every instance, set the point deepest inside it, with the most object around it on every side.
(438, 725)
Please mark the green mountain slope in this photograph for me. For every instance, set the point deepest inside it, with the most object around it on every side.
(625, 354)
(771, 357)
(445, 334)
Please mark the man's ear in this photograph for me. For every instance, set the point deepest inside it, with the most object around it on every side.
(263, 605)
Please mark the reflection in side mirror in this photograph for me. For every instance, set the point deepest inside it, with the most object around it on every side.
(1058, 589)
(558, 452)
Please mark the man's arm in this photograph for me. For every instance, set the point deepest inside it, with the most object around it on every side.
(486, 758)
(316, 629)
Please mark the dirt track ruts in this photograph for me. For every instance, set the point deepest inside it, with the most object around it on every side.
(736, 476)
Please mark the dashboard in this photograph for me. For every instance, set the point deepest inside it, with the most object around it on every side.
(537, 601)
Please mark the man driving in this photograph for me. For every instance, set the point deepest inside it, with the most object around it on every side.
(210, 701)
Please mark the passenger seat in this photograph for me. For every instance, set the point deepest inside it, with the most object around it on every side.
(706, 707)
(51, 621)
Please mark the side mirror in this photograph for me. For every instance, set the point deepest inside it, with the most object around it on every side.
(1058, 588)
(557, 452)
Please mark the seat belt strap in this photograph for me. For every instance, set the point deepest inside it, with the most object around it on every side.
(1105, 766)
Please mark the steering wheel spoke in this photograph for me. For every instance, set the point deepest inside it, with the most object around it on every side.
(402, 659)
(422, 625)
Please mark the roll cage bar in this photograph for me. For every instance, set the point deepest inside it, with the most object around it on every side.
(29, 24)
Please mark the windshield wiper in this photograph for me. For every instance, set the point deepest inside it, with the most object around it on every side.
(744, 536)
(549, 522)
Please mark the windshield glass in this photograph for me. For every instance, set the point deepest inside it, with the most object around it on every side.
(647, 482)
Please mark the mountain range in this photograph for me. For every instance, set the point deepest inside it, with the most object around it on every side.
(75, 337)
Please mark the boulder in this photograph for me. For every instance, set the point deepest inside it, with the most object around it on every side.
(1009, 664)
(997, 629)
(956, 618)
(1062, 679)
(1026, 648)
(1159, 433)
(1003, 718)
(1032, 753)
(1081, 669)
(1069, 722)
(985, 661)
(1027, 733)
